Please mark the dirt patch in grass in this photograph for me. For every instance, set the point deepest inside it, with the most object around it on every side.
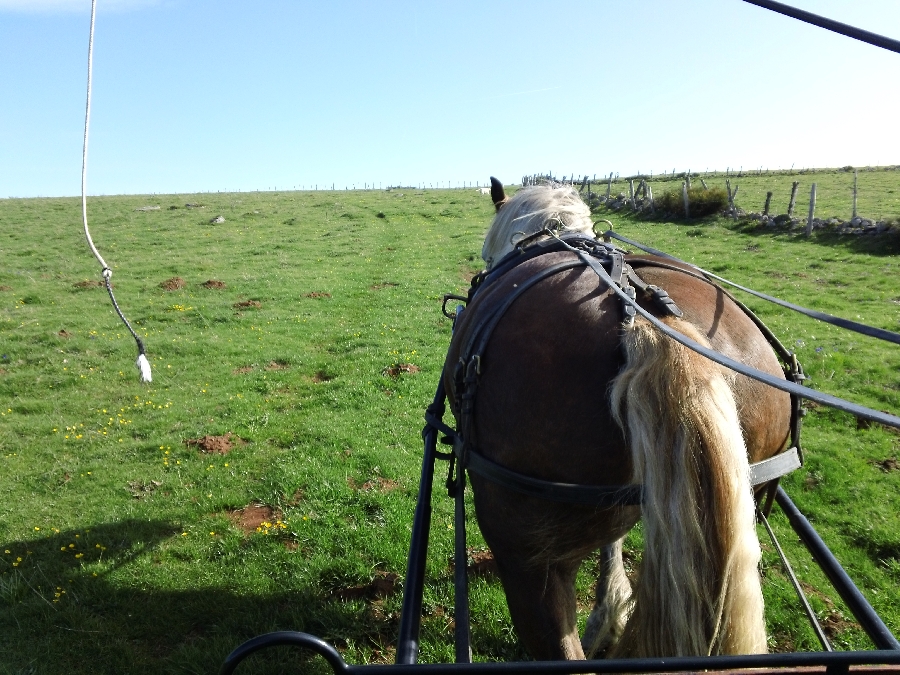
(4, 287)
(317, 294)
(243, 370)
(252, 516)
(217, 445)
(277, 365)
(834, 624)
(385, 584)
(139, 488)
(395, 369)
(247, 304)
(64, 334)
(863, 424)
(321, 376)
(386, 284)
(87, 283)
(383, 485)
(781, 643)
(479, 563)
(173, 284)
(213, 284)
(887, 465)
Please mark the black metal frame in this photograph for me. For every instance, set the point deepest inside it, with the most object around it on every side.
(887, 651)
(835, 663)
(886, 654)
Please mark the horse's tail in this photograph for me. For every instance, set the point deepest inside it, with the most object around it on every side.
(698, 590)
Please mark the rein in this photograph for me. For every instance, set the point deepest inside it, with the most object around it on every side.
(856, 327)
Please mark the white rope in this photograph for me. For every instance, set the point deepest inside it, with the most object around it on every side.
(143, 365)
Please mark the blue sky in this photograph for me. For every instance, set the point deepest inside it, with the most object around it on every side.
(196, 95)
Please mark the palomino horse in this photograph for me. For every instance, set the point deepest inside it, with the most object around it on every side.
(567, 391)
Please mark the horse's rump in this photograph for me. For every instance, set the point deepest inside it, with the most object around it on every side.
(541, 408)
(548, 364)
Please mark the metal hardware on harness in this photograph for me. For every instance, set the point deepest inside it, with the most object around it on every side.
(628, 307)
(447, 298)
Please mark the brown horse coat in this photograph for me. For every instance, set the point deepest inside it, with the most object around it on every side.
(542, 409)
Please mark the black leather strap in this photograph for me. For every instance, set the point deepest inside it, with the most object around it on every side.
(861, 328)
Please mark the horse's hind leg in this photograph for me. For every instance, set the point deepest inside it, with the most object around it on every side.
(612, 604)
(541, 600)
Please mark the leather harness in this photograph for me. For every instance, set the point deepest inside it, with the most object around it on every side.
(620, 272)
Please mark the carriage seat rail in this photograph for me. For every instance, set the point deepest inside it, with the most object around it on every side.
(797, 663)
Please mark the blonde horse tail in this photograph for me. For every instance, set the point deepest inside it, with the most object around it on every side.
(698, 590)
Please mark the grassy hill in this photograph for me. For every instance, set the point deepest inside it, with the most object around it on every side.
(266, 479)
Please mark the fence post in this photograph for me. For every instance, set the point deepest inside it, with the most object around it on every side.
(684, 193)
(650, 197)
(705, 186)
(794, 187)
(583, 183)
(608, 186)
(812, 209)
(768, 201)
(689, 179)
(855, 177)
(631, 193)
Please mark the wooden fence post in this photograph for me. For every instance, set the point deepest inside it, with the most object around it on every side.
(631, 193)
(705, 186)
(608, 186)
(684, 193)
(768, 201)
(794, 187)
(650, 197)
(855, 177)
(812, 209)
(583, 184)
(689, 179)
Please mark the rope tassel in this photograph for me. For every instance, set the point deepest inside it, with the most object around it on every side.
(143, 364)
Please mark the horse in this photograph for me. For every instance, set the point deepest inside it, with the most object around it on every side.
(571, 390)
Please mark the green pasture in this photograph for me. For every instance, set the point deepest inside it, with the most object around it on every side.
(266, 479)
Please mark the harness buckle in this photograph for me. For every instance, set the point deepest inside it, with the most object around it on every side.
(627, 307)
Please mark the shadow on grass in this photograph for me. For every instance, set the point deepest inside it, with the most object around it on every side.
(56, 615)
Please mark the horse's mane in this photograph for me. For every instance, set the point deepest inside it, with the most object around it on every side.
(531, 209)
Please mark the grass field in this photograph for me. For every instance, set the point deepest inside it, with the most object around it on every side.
(266, 479)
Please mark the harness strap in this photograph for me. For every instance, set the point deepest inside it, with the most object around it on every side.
(775, 467)
(863, 329)
(568, 493)
(600, 496)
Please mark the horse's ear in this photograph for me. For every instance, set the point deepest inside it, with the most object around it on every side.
(497, 194)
